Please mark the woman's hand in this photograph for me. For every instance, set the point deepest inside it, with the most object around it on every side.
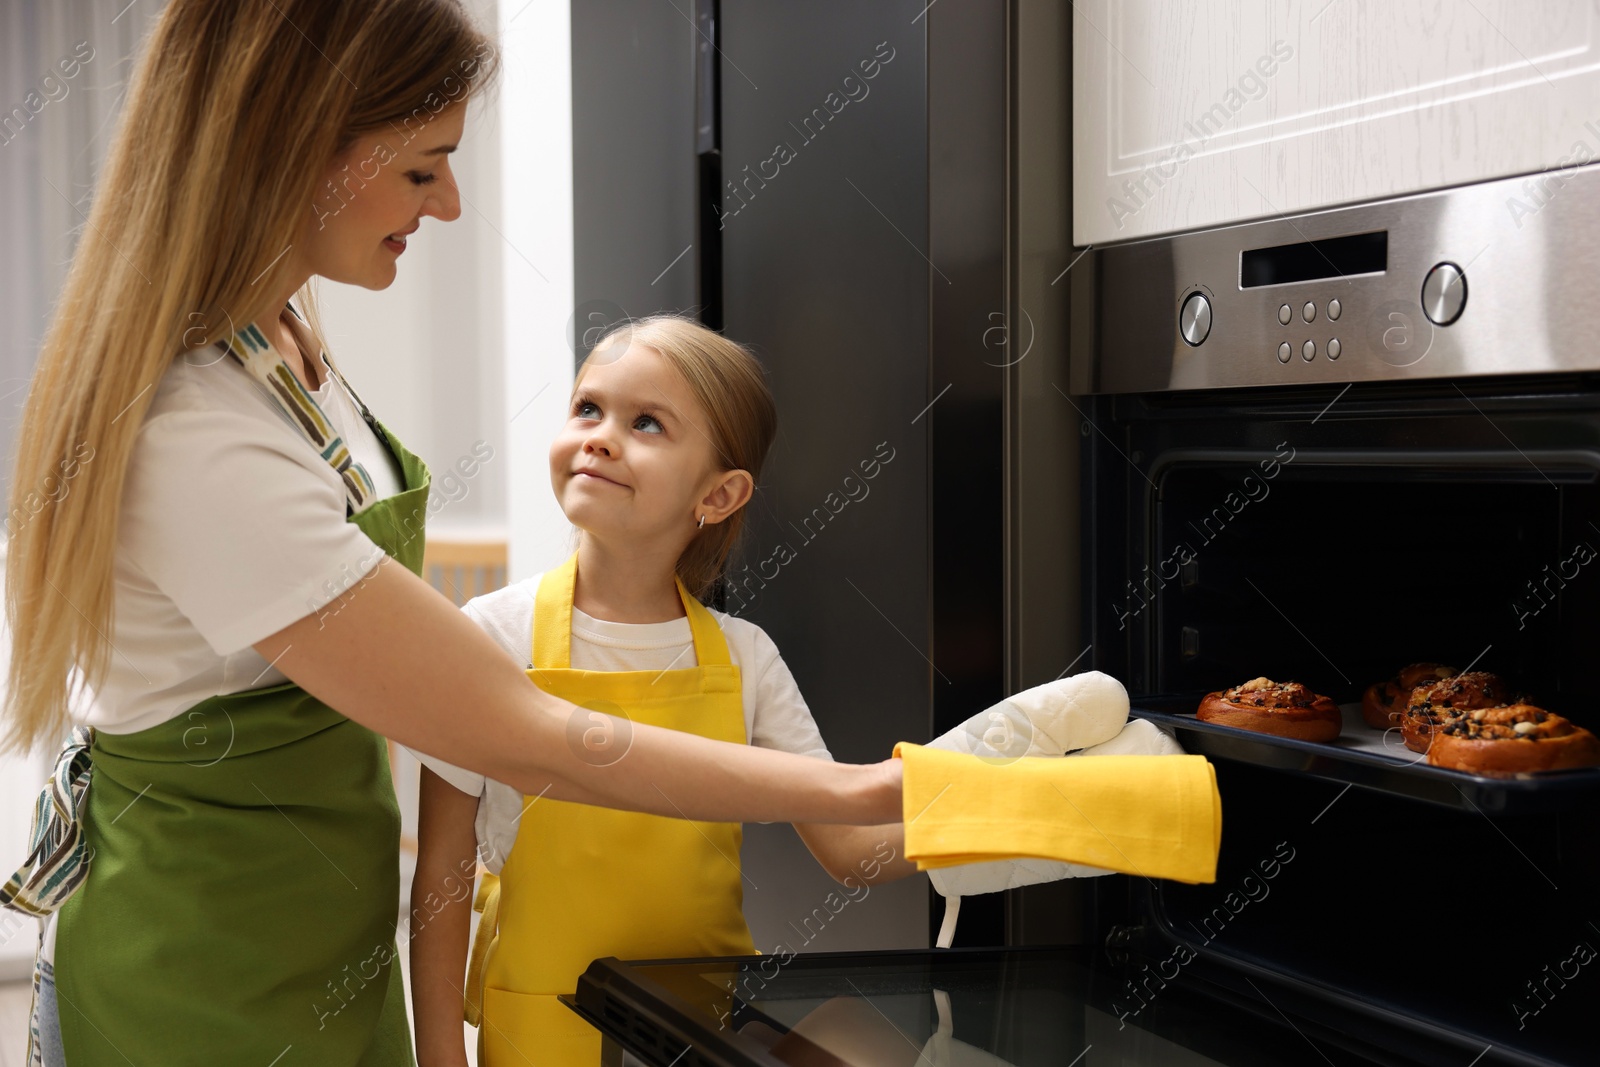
(394, 655)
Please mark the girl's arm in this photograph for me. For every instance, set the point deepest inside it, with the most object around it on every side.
(865, 854)
(394, 655)
(441, 919)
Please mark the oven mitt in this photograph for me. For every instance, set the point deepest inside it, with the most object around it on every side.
(1085, 712)
(1137, 738)
(1047, 720)
(1153, 816)
(1141, 810)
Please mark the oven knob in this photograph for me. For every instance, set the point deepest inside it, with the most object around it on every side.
(1194, 321)
(1444, 294)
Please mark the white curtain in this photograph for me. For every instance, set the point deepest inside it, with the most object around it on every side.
(57, 113)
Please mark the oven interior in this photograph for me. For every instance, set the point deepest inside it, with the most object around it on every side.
(1240, 535)
(1336, 574)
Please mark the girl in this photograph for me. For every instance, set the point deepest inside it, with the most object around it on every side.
(227, 832)
(667, 429)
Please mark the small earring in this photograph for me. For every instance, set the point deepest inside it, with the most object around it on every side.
(701, 523)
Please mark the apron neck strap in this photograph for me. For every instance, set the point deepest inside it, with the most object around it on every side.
(552, 622)
(327, 361)
(256, 354)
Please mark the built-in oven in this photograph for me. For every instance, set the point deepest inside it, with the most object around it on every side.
(1322, 448)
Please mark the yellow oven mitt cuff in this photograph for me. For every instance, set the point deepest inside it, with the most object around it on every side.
(1153, 816)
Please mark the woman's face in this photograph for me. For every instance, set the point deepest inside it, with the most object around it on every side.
(376, 192)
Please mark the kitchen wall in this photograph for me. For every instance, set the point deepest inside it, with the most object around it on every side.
(536, 255)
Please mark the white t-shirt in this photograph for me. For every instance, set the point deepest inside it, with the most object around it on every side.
(775, 714)
(233, 527)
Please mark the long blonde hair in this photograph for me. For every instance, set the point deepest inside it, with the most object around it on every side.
(742, 420)
(233, 113)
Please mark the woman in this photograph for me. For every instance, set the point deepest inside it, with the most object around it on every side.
(204, 526)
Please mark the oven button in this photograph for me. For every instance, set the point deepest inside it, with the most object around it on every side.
(1333, 349)
(1444, 294)
(1284, 352)
(1308, 351)
(1334, 309)
(1309, 311)
(1194, 321)
(1285, 313)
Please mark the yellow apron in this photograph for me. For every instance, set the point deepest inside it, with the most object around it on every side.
(584, 882)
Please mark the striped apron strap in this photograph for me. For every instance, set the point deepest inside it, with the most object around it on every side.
(251, 348)
(58, 858)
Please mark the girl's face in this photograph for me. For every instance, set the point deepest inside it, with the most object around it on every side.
(635, 460)
(376, 192)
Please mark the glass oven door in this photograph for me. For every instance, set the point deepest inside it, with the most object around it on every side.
(1062, 1007)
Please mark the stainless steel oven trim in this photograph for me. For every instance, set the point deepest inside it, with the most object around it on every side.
(1532, 261)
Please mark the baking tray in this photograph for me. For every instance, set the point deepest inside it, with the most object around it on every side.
(1364, 757)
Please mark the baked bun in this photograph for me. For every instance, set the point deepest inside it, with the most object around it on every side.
(1383, 704)
(1286, 709)
(1429, 706)
(1511, 738)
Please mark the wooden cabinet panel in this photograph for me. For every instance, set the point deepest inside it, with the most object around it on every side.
(1210, 112)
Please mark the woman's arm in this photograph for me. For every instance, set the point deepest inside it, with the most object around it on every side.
(441, 919)
(394, 655)
(866, 854)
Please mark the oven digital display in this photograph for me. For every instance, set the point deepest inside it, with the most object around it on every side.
(1334, 257)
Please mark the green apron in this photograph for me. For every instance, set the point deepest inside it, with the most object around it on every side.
(242, 900)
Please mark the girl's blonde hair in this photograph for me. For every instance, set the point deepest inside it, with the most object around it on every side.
(741, 419)
(233, 114)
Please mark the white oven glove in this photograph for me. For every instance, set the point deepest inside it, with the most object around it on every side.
(1092, 717)
(1048, 720)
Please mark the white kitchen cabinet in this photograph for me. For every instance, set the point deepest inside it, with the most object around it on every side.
(1207, 112)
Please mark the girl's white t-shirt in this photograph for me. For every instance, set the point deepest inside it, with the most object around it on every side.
(775, 714)
(232, 527)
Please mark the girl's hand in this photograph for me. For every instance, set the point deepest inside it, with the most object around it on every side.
(885, 797)
(854, 854)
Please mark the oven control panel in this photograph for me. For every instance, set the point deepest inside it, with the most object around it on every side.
(1330, 347)
(1475, 280)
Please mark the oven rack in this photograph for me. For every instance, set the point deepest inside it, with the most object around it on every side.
(1357, 758)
